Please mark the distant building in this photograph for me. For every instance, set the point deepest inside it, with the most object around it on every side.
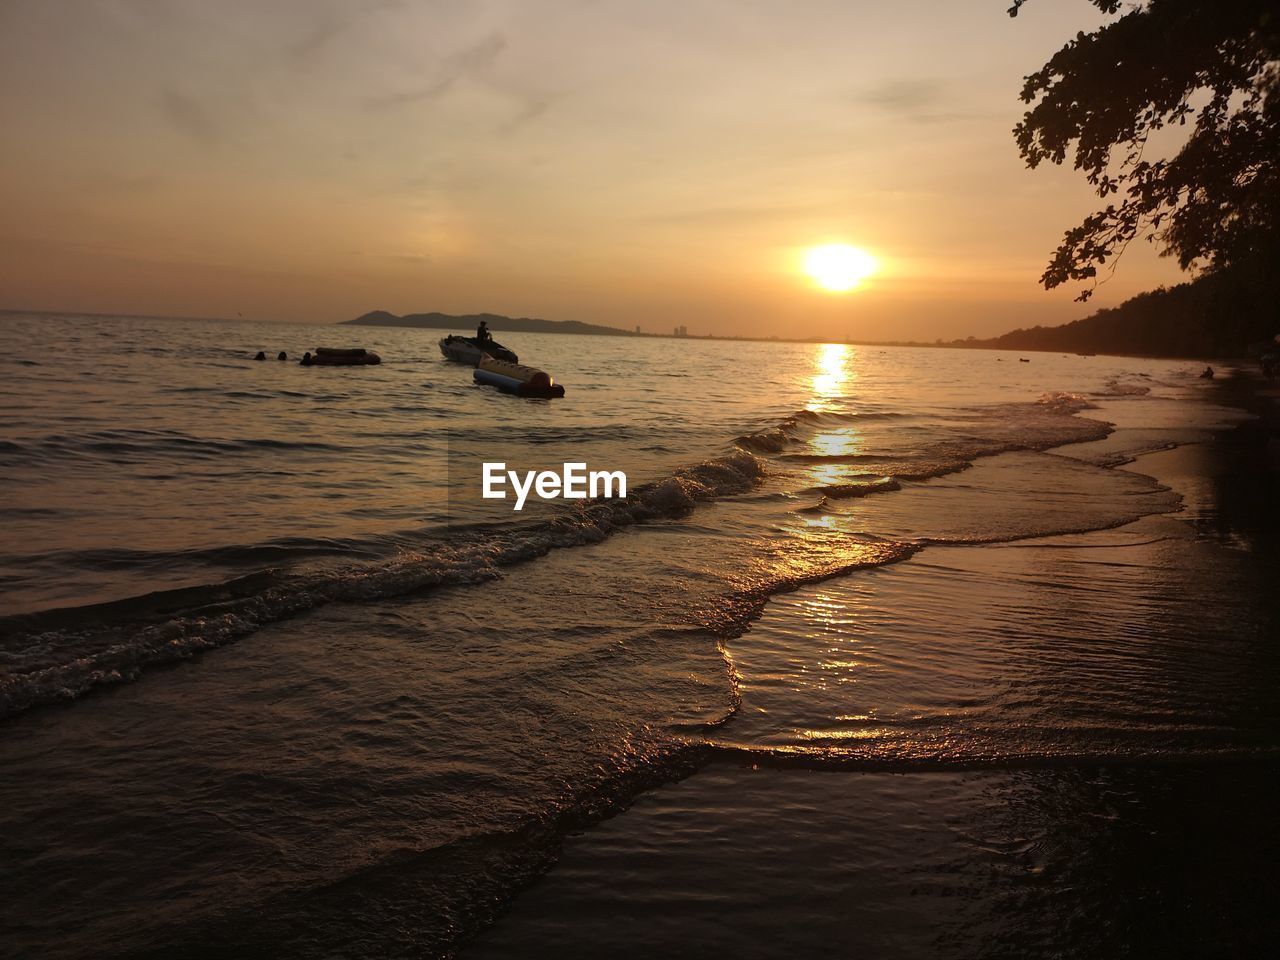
(681, 331)
(637, 328)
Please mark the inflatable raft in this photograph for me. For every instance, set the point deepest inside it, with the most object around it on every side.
(332, 357)
(516, 378)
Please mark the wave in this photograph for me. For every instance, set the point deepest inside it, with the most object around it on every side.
(1062, 401)
(775, 439)
(1126, 457)
(838, 417)
(873, 757)
(956, 441)
(1116, 388)
(60, 654)
(139, 445)
(846, 491)
(443, 896)
(840, 491)
(278, 550)
(820, 507)
(1062, 530)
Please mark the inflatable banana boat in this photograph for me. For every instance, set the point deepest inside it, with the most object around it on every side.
(517, 378)
(332, 357)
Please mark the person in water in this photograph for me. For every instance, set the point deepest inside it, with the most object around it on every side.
(482, 332)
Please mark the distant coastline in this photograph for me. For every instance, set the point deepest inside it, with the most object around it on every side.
(1089, 336)
(469, 321)
(1175, 323)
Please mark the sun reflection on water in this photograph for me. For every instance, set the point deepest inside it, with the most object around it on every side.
(833, 369)
(838, 661)
(844, 442)
(830, 474)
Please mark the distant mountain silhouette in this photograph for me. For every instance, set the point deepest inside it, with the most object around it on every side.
(497, 323)
(1217, 315)
(1222, 314)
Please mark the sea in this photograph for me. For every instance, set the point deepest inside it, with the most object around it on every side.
(899, 651)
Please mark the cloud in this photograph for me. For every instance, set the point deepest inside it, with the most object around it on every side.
(465, 63)
(920, 101)
(329, 27)
(190, 116)
(530, 109)
(316, 39)
(479, 55)
(741, 214)
(905, 96)
(405, 98)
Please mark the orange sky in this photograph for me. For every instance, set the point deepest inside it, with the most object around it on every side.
(654, 163)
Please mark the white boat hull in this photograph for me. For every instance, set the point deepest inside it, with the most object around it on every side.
(465, 350)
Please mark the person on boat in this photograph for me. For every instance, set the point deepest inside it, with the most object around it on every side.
(482, 332)
(1207, 374)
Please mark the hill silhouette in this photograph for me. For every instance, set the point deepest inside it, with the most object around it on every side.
(497, 323)
(1217, 315)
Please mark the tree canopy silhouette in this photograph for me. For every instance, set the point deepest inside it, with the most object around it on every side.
(1213, 200)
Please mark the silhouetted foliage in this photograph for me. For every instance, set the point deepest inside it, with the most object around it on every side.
(1210, 65)
(1221, 314)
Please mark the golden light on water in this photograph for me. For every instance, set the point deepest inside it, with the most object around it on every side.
(838, 267)
(829, 474)
(844, 442)
(833, 369)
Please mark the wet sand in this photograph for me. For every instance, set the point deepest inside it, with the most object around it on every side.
(1142, 828)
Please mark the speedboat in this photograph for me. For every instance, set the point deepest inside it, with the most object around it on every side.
(471, 350)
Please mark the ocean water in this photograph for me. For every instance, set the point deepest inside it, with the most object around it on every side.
(276, 683)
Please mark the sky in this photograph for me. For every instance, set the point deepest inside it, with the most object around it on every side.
(628, 163)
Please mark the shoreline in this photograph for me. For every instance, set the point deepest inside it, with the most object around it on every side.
(749, 833)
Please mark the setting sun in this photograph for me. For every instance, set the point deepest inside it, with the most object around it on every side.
(838, 267)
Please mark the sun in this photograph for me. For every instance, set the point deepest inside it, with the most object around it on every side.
(838, 267)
